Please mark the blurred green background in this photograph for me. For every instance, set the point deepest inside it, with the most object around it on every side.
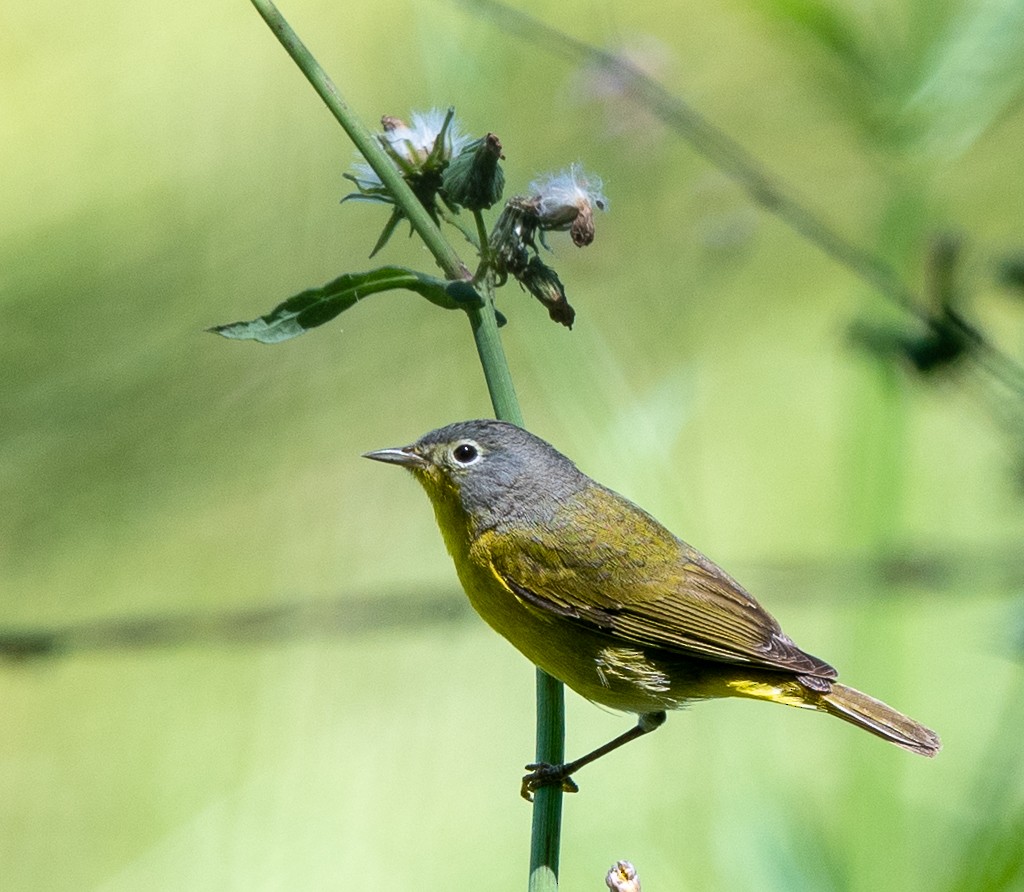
(237, 654)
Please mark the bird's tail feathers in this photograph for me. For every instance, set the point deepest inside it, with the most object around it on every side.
(877, 717)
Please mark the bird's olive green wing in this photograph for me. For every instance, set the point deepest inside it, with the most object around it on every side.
(629, 578)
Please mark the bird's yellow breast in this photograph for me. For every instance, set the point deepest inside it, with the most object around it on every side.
(595, 665)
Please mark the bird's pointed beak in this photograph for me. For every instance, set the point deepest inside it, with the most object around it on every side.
(398, 455)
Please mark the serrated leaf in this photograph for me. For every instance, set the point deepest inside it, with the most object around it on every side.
(316, 306)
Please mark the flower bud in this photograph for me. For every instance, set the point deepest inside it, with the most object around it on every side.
(474, 179)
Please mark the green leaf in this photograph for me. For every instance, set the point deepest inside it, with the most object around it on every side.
(316, 306)
(389, 228)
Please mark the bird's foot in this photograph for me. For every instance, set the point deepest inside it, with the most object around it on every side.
(543, 774)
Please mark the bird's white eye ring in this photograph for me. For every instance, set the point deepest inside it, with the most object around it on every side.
(466, 452)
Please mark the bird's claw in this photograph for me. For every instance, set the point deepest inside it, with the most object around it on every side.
(543, 774)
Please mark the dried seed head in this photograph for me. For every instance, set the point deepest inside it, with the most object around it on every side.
(566, 201)
(543, 283)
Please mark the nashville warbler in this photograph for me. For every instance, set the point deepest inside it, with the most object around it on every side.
(597, 593)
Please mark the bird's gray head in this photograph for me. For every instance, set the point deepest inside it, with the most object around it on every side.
(498, 472)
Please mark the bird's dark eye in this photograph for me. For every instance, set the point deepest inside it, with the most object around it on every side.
(465, 453)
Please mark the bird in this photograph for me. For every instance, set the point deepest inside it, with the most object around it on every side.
(597, 593)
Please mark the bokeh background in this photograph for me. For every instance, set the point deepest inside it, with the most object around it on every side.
(235, 655)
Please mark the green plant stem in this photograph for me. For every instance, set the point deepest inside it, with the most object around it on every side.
(495, 366)
(547, 806)
(546, 833)
(453, 220)
(483, 242)
(545, 837)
